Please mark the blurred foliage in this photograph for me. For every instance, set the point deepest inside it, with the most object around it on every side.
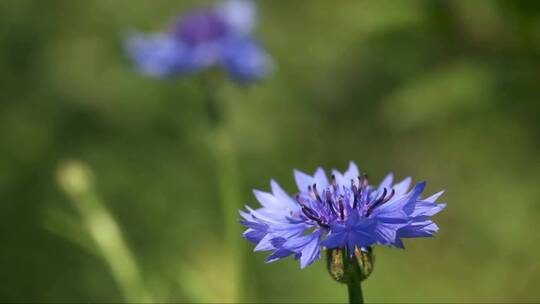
(445, 91)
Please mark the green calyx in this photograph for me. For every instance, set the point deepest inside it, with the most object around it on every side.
(345, 268)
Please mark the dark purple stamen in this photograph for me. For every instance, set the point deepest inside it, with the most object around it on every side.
(353, 187)
(383, 199)
(389, 197)
(314, 218)
(330, 202)
(316, 192)
(300, 202)
(309, 213)
(341, 209)
(334, 183)
(355, 194)
(364, 181)
(358, 191)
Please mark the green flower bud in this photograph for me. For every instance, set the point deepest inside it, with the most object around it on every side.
(366, 262)
(335, 263)
(345, 268)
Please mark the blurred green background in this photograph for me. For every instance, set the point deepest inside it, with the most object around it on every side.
(445, 91)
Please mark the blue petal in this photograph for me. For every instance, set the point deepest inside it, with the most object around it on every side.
(418, 229)
(307, 246)
(386, 233)
(363, 234)
(254, 225)
(240, 15)
(340, 179)
(320, 179)
(413, 196)
(267, 200)
(245, 215)
(254, 236)
(399, 243)
(417, 190)
(251, 222)
(278, 242)
(423, 208)
(265, 244)
(392, 209)
(284, 198)
(434, 197)
(400, 207)
(360, 233)
(386, 183)
(245, 60)
(304, 180)
(288, 231)
(353, 219)
(268, 218)
(311, 252)
(402, 187)
(158, 55)
(296, 244)
(335, 240)
(351, 173)
(277, 255)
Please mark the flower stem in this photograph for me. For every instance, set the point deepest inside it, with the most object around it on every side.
(221, 142)
(350, 269)
(75, 179)
(229, 185)
(355, 292)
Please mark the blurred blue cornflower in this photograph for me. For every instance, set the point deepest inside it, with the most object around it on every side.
(207, 37)
(345, 212)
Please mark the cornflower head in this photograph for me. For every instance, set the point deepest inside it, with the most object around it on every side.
(344, 214)
(209, 37)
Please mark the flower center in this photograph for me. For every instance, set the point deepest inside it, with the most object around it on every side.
(336, 202)
(199, 27)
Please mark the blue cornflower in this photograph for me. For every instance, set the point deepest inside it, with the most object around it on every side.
(208, 37)
(343, 212)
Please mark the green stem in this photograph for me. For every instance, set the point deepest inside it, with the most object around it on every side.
(229, 185)
(355, 292)
(350, 269)
(75, 179)
(228, 177)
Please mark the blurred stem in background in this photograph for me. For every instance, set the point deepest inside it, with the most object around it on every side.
(229, 189)
(228, 176)
(75, 179)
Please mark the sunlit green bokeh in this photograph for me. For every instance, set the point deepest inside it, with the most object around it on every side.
(444, 91)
